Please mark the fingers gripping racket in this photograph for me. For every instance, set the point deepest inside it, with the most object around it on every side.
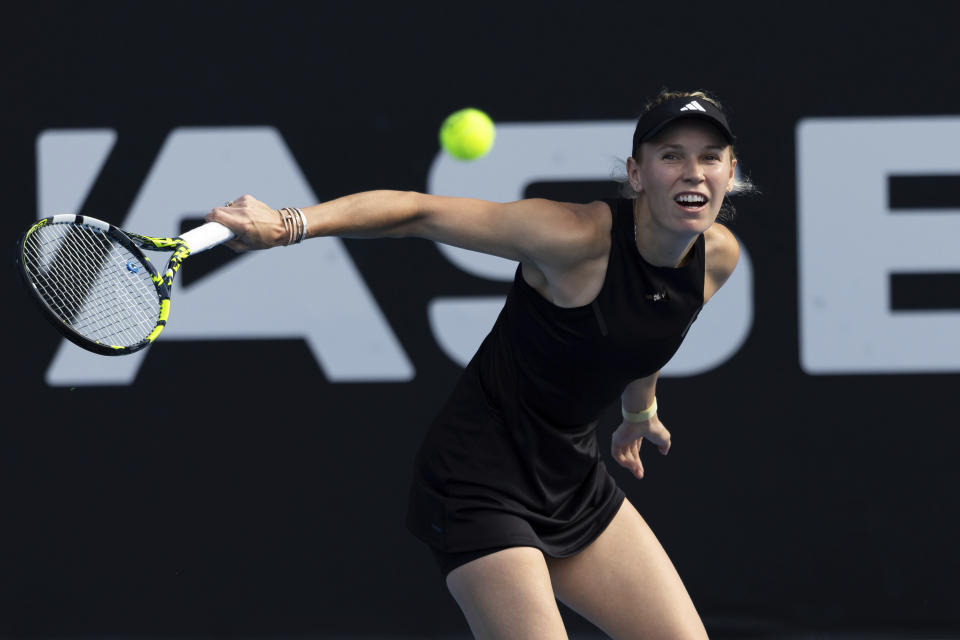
(94, 284)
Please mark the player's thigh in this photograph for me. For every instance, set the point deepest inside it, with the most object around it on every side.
(508, 594)
(625, 584)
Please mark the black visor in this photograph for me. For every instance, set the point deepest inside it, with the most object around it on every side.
(663, 114)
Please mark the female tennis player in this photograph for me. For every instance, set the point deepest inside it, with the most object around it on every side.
(509, 488)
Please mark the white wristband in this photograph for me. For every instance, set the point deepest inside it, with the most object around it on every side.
(640, 416)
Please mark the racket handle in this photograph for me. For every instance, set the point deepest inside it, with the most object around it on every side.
(206, 236)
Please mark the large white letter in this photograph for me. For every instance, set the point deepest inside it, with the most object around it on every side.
(850, 243)
(312, 291)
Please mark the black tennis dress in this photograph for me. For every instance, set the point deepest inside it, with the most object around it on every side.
(512, 458)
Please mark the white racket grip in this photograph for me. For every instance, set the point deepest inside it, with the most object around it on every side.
(206, 236)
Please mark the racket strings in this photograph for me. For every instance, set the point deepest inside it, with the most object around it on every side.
(92, 283)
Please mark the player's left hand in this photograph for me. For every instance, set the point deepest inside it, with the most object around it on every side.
(626, 440)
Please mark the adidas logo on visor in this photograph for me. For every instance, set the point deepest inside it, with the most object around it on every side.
(693, 106)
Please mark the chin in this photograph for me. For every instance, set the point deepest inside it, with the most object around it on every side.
(694, 222)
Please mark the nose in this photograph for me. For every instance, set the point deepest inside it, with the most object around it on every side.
(693, 171)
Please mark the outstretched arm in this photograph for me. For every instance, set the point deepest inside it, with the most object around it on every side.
(638, 396)
(538, 231)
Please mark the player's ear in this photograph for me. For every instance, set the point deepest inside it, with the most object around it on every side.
(633, 174)
(733, 175)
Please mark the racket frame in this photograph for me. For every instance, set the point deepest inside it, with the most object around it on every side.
(129, 241)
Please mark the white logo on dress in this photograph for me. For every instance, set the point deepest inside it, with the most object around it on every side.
(657, 296)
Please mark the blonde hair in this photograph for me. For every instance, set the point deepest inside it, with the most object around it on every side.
(741, 184)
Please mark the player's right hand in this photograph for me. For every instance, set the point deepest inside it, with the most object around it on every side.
(255, 224)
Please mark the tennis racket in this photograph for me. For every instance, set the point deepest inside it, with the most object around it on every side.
(94, 284)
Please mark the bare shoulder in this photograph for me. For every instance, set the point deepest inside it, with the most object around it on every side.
(570, 272)
(722, 253)
(573, 232)
(596, 220)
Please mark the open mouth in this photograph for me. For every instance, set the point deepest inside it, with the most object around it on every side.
(691, 201)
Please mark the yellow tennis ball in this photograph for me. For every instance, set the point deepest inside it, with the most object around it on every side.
(467, 134)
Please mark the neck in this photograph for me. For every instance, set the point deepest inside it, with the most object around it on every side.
(659, 246)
